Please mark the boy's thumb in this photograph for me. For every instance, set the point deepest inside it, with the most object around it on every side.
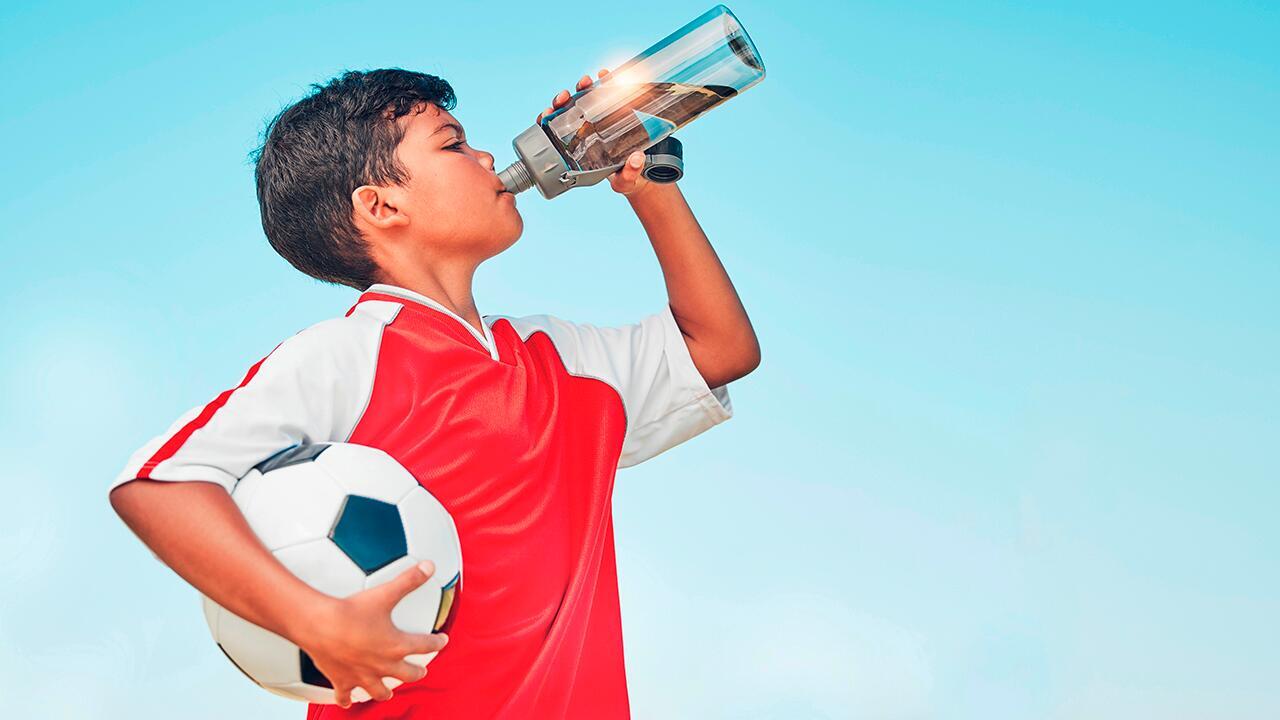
(410, 580)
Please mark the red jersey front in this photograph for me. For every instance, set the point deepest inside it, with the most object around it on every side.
(517, 428)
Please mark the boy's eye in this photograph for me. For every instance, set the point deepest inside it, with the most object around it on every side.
(454, 146)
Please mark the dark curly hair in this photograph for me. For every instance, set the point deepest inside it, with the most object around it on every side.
(321, 148)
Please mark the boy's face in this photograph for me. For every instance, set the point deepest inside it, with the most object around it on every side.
(453, 196)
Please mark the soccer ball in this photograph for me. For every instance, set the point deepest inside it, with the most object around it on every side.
(343, 518)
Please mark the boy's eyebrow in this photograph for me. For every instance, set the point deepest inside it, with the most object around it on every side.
(447, 125)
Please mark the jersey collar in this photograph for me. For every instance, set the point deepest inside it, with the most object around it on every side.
(485, 338)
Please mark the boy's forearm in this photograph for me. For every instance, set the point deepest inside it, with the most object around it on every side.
(197, 530)
(706, 306)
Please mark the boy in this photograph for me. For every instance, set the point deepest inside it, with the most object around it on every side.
(516, 425)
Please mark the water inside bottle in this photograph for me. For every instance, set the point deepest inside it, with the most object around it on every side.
(640, 115)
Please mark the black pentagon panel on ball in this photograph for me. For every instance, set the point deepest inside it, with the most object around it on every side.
(310, 674)
(292, 455)
(370, 532)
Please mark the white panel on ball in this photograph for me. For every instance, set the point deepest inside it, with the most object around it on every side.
(260, 653)
(367, 471)
(211, 611)
(431, 535)
(245, 488)
(310, 693)
(291, 504)
(323, 566)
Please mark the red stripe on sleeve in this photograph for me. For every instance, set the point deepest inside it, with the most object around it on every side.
(174, 443)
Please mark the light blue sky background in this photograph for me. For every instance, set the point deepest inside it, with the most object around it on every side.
(1011, 453)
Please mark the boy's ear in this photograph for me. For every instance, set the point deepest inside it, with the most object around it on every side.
(378, 207)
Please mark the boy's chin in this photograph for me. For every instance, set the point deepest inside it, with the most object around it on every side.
(505, 239)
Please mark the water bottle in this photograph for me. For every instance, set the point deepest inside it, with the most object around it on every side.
(637, 107)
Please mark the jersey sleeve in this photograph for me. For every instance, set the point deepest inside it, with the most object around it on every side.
(665, 398)
(310, 388)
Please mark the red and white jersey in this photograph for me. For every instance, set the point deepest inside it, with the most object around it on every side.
(518, 431)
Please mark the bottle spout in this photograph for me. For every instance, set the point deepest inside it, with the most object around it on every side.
(516, 178)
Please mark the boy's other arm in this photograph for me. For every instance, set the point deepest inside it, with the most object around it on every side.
(721, 341)
(197, 530)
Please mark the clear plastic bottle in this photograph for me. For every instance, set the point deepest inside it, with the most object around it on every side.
(678, 79)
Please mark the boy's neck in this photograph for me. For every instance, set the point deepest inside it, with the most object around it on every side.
(451, 287)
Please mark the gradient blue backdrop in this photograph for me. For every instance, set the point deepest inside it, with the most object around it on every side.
(1011, 453)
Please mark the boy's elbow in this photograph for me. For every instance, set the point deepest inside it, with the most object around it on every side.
(120, 497)
(745, 356)
(752, 360)
(128, 498)
(747, 359)
(735, 367)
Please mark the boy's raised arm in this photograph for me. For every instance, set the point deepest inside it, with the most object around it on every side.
(721, 341)
(716, 328)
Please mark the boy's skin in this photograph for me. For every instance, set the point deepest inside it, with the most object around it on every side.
(428, 236)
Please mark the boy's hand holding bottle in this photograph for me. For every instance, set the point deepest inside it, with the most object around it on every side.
(627, 181)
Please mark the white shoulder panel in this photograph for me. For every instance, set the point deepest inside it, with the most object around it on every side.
(313, 387)
(665, 398)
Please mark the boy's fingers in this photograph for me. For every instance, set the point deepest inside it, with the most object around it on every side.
(627, 178)
(408, 672)
(407, 581)
(342, 695)
(375, 688)
(423, 643)
(562, 97)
